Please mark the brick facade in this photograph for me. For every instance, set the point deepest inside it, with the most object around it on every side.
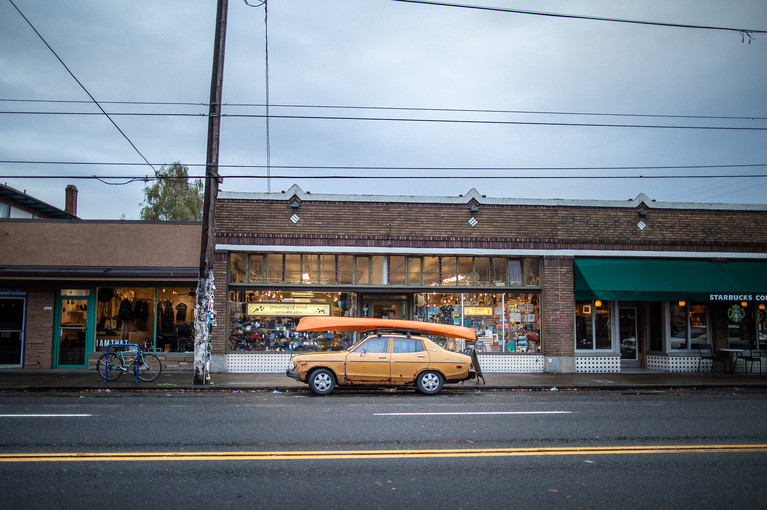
(558, 302)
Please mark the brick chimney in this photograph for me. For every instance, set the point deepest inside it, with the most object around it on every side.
(71, 200)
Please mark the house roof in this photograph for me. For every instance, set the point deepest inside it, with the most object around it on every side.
(28, 202)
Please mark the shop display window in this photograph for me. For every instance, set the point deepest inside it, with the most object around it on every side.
(593, 325)
(175, 320)
(687, 325)
(125, 315)
(515, 272)
(266, 320)
(363, 271)
(509, 322)
(133, 315)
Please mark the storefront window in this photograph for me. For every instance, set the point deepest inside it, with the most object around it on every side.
(515, 272)
(378, 270)
(593, 326)
(327, 269)
(237, 267)
(256, 268)
(482, 271)
(129, 315)
(393, 270)
(414, 271)
(175, 320)
(292, 268)
(431, 271)
(532, 273)
(465, 271)
(761, 327)
(500, 271)
(346, 269)
(687, 325)
(504, 322)
(266, 320)
(274, 265)
(396, 270)
(125, 315)
(740, 323)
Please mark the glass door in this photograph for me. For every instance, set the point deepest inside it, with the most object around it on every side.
(74, 330)
(628, 333)
(11, 331)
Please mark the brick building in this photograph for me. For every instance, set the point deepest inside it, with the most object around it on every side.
(70, 287)
(550, 285)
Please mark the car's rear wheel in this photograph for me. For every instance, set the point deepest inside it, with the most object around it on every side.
(429, 382)
(322, 381)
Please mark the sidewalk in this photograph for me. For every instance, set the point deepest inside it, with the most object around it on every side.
(89, 380)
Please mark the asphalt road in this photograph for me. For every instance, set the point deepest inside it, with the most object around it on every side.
(384, 450)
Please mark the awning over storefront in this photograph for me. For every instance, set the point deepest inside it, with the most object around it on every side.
(669, 280)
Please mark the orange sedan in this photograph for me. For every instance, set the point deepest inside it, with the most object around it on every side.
(392, 355)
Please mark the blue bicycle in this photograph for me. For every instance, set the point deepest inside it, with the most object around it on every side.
(128, 357)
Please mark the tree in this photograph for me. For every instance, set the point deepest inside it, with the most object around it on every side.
(173, 197)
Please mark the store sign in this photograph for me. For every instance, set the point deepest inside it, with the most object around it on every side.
(478, 310)
(738, 297)
(288, 309)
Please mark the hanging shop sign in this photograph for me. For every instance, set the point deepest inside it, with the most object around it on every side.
(288, 309)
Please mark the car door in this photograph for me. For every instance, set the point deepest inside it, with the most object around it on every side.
(369, 362)
(408, 358)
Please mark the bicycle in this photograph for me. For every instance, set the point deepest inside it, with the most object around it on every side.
(112, 365)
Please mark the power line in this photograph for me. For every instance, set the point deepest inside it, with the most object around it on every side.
(417, 168)
(402, 108)
(744, 32)
(131, 178)
(80, 84)
(406, 120)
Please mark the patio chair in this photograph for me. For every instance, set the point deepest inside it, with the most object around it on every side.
(706, 353)
(749, 357)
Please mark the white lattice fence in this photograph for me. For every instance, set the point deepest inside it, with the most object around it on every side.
(597, 364)
(676, 363)
(511, 363)
(257, 363)
(278, 362)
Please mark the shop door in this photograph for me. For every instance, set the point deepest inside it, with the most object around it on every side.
(74, 332)
(386, 309)
(627, 327)
(11, 331)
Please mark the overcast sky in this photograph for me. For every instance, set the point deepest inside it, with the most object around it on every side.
(382, 53)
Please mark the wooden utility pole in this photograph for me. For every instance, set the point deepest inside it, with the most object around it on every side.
(204, 311)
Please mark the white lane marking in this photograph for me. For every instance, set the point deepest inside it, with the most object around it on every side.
(45, 415)
(476, 413)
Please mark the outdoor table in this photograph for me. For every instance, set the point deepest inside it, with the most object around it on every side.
(733, 354)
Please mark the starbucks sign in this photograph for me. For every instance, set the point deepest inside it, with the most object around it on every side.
(736, 313)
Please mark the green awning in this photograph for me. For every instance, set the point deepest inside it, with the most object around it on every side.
(669, 280)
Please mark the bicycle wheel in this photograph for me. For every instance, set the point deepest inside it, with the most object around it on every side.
(149, 367)
(114, 367)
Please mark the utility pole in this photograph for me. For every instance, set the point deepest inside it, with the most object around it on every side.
(205, 317)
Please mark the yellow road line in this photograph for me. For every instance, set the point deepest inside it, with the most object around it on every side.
(375, 454)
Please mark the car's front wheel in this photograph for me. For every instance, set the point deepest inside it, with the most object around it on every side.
(429, 383)
(322, 381)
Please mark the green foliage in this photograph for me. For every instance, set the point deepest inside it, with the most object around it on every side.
(173, 197)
